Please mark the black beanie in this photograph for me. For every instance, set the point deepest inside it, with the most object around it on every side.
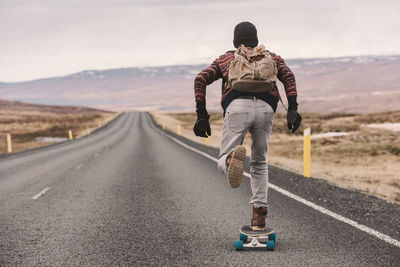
(245, 33)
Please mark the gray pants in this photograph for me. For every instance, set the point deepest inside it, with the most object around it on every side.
(254, 116)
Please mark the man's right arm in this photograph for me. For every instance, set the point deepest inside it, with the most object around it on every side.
(204, 78)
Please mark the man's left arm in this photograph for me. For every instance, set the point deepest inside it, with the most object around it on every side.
(286, 76)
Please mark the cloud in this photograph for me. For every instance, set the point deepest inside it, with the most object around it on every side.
(46, 38)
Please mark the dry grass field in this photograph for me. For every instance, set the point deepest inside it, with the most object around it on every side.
(30, 125)
(365, 159)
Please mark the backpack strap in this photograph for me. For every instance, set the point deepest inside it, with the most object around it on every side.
(223, 85)
(280, 99)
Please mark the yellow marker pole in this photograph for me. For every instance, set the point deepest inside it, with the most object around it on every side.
(206, 141)
(179, 130)
(9, 144)
(163, 126)
(307, 152)
(70, 135)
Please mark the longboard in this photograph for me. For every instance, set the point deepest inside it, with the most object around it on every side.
(256, 239)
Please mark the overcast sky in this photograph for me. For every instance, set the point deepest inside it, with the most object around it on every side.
(58, 37)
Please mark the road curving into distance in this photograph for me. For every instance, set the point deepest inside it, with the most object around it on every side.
(130, 195)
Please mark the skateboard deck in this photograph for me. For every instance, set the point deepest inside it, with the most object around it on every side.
(256, 239)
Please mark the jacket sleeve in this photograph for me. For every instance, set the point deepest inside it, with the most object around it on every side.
(286, 76)
(204, 78)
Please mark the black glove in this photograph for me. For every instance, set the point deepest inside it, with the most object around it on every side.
(202, 126)
(293, 117)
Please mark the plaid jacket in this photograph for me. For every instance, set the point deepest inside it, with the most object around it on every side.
(219, 69)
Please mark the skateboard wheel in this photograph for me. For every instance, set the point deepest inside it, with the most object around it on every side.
(272, 237)
(239, 245)
(243, 237)
(270, 245)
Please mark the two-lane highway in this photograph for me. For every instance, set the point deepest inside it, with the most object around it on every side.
(129, 195)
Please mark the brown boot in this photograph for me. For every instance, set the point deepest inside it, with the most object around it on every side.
(258, 220)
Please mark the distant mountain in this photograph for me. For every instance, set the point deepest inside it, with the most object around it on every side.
(347, 84)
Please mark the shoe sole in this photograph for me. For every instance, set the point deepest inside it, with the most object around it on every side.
(235, 169)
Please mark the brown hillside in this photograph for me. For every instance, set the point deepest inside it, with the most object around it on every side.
(30, 124)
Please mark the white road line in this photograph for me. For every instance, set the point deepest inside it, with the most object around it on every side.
(338, 217)
(79, 166)
(41, 193)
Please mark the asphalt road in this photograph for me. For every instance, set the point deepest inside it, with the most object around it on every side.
(128, 195)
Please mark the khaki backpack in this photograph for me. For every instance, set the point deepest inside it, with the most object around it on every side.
(252, 71)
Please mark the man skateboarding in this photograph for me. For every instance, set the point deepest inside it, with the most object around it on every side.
(249, 101)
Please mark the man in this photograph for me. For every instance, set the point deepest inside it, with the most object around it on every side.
(246, 112)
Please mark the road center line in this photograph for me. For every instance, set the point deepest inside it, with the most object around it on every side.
(79, 166)
(41, 193)
(310, 204)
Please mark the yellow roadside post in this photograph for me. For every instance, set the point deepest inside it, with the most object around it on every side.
(179, 130)
(307, 152)
(163, 126)
(206, 141)
(70, 135)
(9, 144)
